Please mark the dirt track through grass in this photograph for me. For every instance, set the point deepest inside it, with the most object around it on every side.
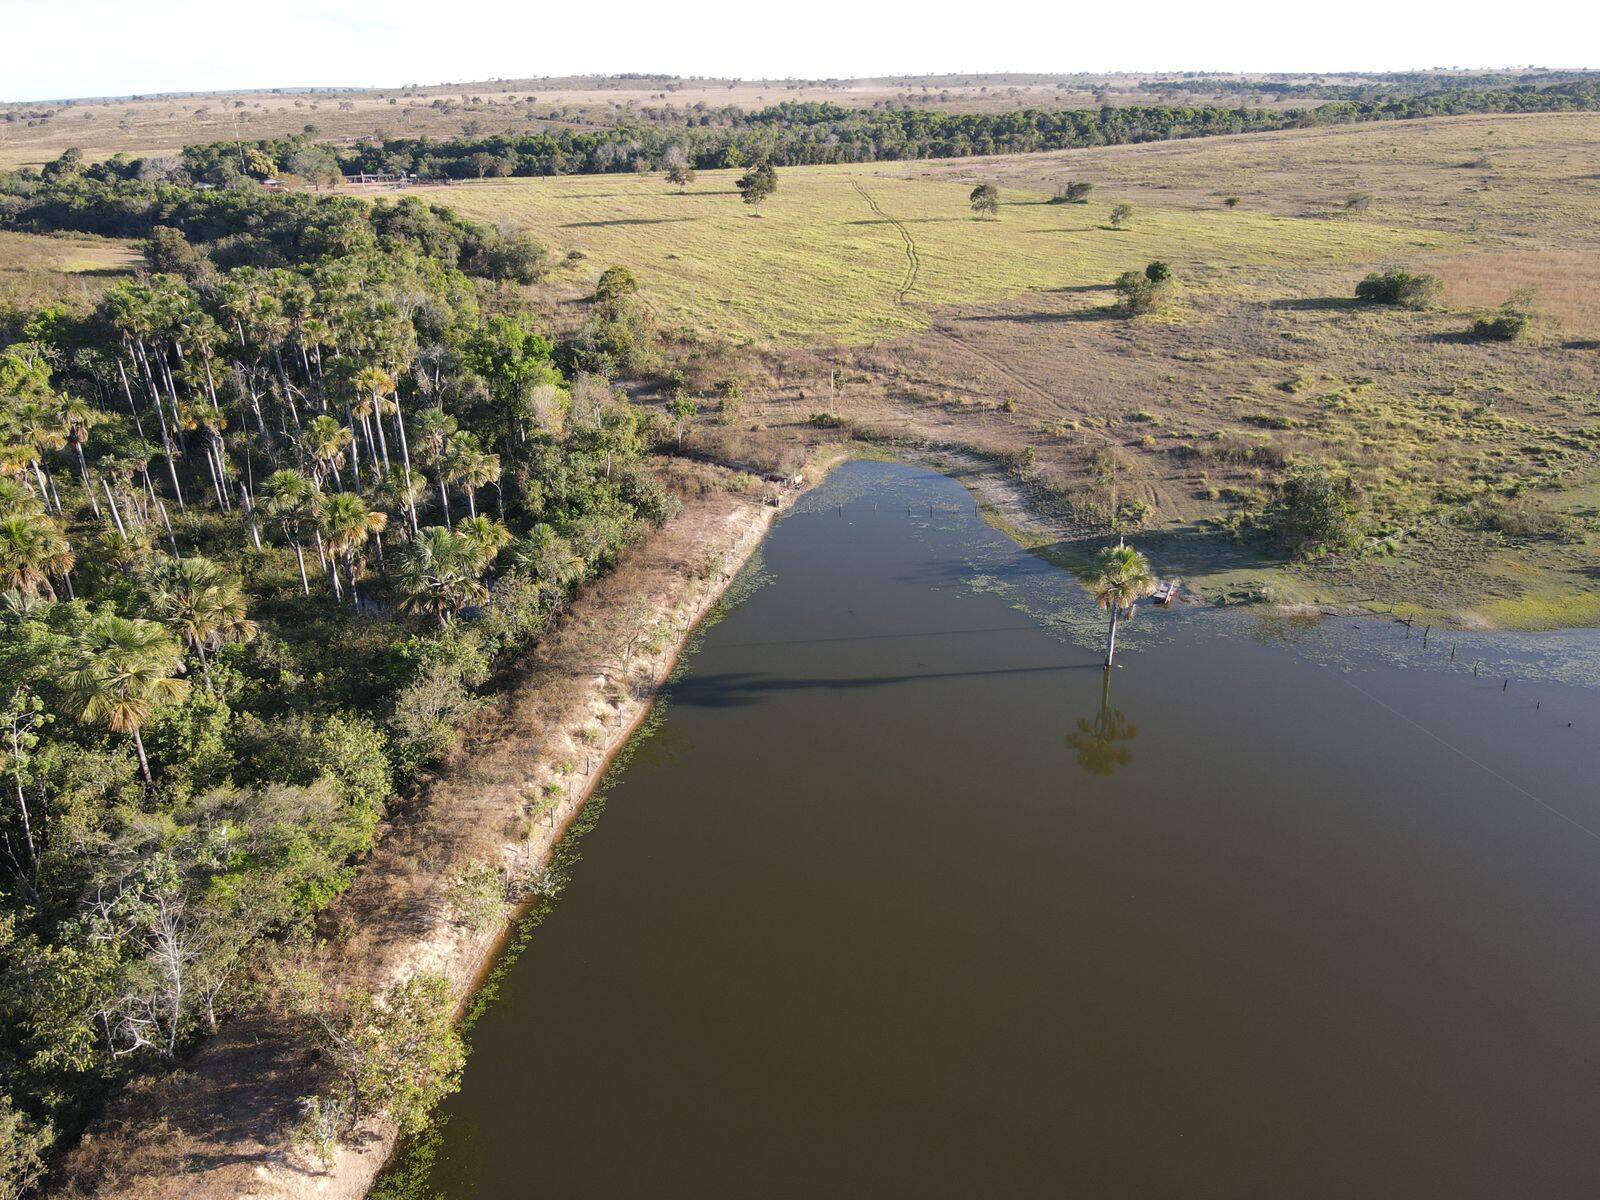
(913, 263)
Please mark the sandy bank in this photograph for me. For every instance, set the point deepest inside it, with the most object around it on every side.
(220, 1127)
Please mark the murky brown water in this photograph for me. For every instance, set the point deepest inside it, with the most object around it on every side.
(896, 902)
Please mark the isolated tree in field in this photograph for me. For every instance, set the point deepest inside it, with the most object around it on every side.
(1312, 512)
(757, 184)
(1121, 215)
(130, 669)
(679, 167)
(985, 200)
(1118, 579)
(1072, 192)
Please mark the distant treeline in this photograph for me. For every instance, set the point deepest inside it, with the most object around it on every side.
(1387, 86)
(794, 134)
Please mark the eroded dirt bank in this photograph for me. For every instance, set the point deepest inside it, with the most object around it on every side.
(222, 1127)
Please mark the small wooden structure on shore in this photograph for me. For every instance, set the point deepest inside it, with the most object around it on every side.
(1167, 592)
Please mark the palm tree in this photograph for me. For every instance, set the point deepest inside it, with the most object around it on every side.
(347, 524)
(434, 427)
(438, 573)
(204, 603)
(38, 427)
(290, 499)
(129, 668)
(1118, 579)
(466, 463)
(489, 536)
(373, 385)
(325, 440)
(80, 417)
(32, 549)
(550, 560)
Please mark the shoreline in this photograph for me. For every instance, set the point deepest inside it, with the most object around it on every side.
(245, 1158)
(221, 1126)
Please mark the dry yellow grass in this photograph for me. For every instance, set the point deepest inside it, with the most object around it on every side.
(38, 270)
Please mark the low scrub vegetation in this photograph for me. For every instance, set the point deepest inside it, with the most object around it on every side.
(1312, 512)
(1407, 289)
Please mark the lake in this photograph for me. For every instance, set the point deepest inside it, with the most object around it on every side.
(903, 896)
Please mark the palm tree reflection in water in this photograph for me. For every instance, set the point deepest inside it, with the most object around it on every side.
(1101, 740)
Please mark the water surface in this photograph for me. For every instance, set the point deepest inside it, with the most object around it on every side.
(903, 898)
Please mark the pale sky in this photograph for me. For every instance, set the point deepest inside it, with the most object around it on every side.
(57, 49)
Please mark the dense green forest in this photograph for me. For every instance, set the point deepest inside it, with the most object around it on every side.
(793, 134)
(271, 514)
(1386, 85)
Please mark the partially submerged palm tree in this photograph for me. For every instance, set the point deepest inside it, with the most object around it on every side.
(1119, 578)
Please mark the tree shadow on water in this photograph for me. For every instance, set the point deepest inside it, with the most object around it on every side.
(1100, 740)
(736, 689)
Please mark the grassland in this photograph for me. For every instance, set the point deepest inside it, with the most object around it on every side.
(829, 257)
(38, 270)
(1001, 335)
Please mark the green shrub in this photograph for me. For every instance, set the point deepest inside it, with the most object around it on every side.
(22, 1146)
(1312, 512)
(1073, 192)
(1158, 271)
(614, 283)
(398, 1056)
(1524, 517)
(477, 897)
(1503, 325)
(1137, 293)
(1404, 288)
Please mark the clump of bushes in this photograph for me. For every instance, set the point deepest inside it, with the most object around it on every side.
(1507, 323)
(1407, 289)
(1072, 192)
(615, 283)
(1143, 291)
(1311, 513)
(1121, 214)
